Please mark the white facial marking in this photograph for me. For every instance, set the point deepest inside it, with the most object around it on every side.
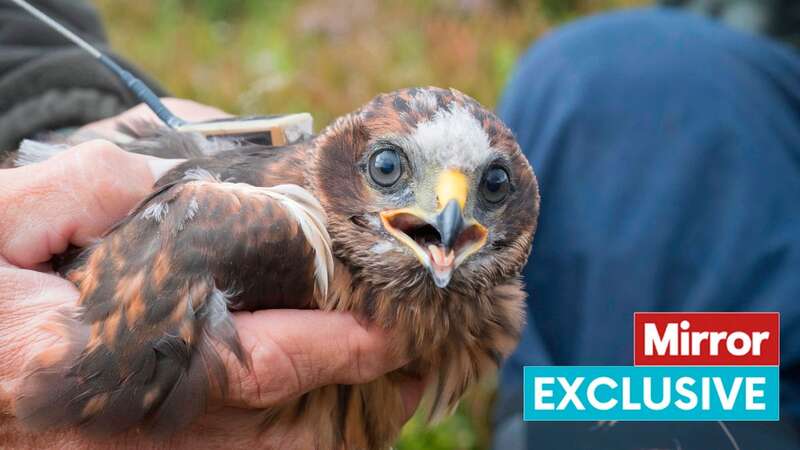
(382, 247)
(374, 222)
(453, 139)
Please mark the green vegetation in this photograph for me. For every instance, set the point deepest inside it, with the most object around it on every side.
(329, 56)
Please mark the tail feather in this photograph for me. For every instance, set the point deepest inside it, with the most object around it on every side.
(160, 384)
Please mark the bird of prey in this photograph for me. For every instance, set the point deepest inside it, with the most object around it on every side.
(416, 213)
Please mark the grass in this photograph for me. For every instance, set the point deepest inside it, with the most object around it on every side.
(328, 57)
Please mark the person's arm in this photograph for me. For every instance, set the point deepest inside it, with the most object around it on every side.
(72, 199)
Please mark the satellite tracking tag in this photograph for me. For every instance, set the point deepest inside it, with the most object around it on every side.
(274, 130)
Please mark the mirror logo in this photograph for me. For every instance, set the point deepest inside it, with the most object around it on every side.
(687, 367)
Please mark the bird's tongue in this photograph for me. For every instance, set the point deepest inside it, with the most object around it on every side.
(440, 260)
(441, 265)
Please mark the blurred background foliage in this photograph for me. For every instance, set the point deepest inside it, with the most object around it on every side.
(328, 57)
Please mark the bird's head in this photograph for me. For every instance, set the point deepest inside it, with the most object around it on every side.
(423, 187)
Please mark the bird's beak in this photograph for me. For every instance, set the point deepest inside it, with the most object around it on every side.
(441, 240)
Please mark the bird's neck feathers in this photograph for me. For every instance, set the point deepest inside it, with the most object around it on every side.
(427, 321)
(452, 338)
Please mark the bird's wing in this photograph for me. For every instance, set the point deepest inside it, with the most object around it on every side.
(156, 294)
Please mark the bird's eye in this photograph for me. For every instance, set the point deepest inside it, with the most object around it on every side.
(495, 185)
(385, 167)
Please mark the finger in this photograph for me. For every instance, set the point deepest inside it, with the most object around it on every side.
(185, 109)
(71, 198)
(294, 351)
(27, 300)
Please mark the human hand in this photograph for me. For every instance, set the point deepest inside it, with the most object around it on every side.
(72, 199)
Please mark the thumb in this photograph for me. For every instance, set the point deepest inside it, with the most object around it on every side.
(71, 198)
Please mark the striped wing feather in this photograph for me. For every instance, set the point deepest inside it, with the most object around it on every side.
(156, 295)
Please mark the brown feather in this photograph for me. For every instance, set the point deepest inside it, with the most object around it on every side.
(143, 286)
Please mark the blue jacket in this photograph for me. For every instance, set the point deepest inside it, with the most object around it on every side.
(667, 148)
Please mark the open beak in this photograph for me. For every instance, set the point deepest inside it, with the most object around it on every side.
(444, 239)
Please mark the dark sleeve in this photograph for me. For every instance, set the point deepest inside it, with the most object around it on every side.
(46, 82)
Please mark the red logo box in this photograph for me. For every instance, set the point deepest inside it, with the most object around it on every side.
(706, 339)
